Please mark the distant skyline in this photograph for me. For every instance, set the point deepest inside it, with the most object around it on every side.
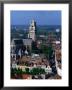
(41, 17)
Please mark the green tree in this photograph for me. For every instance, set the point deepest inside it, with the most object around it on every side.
(27, 70)
(47, 50)
(37, 71)
(41, 71)
(19, 71)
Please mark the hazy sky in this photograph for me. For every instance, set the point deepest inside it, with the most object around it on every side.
(41, 17)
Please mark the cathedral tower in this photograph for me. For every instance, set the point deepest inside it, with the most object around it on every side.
(32, 30)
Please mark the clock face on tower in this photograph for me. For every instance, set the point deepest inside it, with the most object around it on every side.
(32, 29)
